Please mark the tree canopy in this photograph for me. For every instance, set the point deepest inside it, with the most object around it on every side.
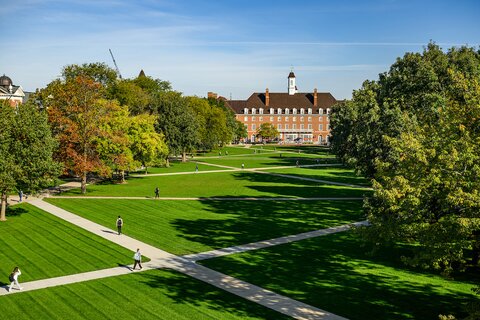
(416, 133)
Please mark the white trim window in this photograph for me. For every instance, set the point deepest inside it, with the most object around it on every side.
(260, 111)
(302, 111)
(254, 118)
(254, 127)
(279, 126)
(245, 118)
(286, 126)
(254, 111)
(302, 126)
(294, 126)
(245, 110)
(294, 119)
(260, 118)
(309, 110)
(309, 119)
(272, 111)
(294, 110)
(320, 127)
(271, 119)
(279, 118)
(279, 110)
(309, 126)
(302, 119)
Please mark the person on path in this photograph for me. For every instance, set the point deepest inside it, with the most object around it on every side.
(20, 196)
(243, 166)
(138, 259)
(196, 167)
(14, 279)
(157, 193)
(119, 225)
(298, 163)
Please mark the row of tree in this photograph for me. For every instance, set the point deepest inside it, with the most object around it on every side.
(416, 133)
(89, 121)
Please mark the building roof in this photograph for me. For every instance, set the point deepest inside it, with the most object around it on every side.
(282, 101)
(291, 74)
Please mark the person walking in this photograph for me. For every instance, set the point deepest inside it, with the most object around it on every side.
(138, 259)
(20, 196)
(298, 163)
(14, 279)
(119, 225)
(196, 167)
(243, 166)
(157, 193)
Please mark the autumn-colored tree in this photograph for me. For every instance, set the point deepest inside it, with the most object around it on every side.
(77, 114)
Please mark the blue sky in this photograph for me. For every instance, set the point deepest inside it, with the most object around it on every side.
(230, 47)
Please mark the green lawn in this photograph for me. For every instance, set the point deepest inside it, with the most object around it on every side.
(334, 273)
(269, 160)
(147, 295)
(44, 246)
(335, 174)
(178, 166)
(232, 150)
(221, 184)
(183, 227)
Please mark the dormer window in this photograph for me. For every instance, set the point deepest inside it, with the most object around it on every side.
(320, 111)
(309, 110)
(254, 111)
(245, 111)
(302, 111)
(260, 111)
(294, 110)
(279, 111)
(272, 111)
(287, 111)
(328, 110)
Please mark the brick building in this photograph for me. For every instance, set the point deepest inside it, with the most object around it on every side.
(298, 116)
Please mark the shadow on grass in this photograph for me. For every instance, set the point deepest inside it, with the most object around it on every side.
(184, 289)
(262, 220)
(334, 274)
(15, 211)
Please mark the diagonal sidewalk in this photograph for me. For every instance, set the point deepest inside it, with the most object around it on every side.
(163, 259)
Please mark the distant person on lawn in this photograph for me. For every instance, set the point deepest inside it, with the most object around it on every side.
(20, 196)
(138, 259)
(14, 279)
(119, 225)
(157, 193)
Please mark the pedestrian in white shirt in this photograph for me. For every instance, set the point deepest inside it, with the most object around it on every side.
(138, 259)
(14, 279)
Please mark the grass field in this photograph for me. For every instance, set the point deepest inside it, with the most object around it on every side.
(44, 246)
(178, 166)
(222, 184)
(334, 273)
(147, 295)
(335, 174)
(183, 227)
(268, 160)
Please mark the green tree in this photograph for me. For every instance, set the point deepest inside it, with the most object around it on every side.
(267, 131)
(240, 131)
(415, 131)
(26, 148)
(98, 72)
(148, 146)
(177, 122)
(128, 93)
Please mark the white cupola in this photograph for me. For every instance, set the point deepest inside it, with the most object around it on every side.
(292, 88)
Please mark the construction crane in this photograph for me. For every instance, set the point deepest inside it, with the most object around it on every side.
(115, 63)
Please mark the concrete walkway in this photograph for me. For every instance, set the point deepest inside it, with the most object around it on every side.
(212, 198)
(163, 259)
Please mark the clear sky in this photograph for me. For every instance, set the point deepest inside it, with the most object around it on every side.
(232, 47)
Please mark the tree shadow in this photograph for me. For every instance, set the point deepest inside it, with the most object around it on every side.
(183, 289)
(332, 273)
(253, 221)
(15, 211)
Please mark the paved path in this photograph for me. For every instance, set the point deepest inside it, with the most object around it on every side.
(212, 198)
(163, 259)
(271, 242)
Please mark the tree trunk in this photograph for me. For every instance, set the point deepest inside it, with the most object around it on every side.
(122, 176)
(4, 207)
(146, 170)
(84, 183)
(184, 156)
(167, 163)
